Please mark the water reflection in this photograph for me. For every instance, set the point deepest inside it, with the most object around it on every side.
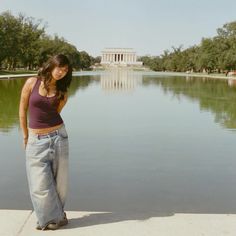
(213, 95)
(81, 83)
(10, 91)
(9, 101)
(232, 82)
(142, 152)
(120, 79)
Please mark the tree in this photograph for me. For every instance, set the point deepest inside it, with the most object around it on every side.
(23, 42)
(208, 55)
(85, 60)
(30, 40)
(49, 46)
(228, 30)
(10, 28)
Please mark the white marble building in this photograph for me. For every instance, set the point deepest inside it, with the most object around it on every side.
(119, 56)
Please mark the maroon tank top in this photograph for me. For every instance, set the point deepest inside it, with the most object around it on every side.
(43, 110)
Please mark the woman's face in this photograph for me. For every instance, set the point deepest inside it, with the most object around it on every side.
(59, 72)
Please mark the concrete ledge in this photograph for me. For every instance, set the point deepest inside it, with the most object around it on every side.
(184, 74)
(16, 76)
(13, 221)
(22, 223)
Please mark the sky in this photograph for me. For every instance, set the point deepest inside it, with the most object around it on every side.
(147, 26)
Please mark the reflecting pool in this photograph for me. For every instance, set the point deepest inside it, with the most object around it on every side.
(139, 142)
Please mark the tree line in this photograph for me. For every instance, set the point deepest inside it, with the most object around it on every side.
(217, 54)
(24, 44)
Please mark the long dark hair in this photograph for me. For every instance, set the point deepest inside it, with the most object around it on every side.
(45, 74)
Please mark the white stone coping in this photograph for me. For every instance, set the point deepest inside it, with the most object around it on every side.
(22, 223)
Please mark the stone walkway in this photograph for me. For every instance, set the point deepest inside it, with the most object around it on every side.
(22, 223)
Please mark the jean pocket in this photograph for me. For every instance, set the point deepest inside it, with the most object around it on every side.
(31, 140)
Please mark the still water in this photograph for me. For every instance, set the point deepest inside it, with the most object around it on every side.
(139, 142)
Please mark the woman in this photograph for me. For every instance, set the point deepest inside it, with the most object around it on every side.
(46, 140)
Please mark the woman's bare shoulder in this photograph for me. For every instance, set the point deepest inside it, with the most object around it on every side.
(30, 82)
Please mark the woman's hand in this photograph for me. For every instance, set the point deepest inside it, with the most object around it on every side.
(25, 140)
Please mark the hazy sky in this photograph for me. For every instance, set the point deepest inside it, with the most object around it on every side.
(148, 26)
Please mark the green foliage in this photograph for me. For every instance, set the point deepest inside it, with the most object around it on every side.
(9, 102)
(85, 60)
(215, 96)
(217, 54)
(24, 44)
(50, 46)
(10, 31)
(10, 96)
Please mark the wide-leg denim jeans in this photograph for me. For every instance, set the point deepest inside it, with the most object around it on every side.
(47, 173)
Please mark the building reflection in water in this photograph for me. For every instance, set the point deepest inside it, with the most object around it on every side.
(232, 82)
(120, 79)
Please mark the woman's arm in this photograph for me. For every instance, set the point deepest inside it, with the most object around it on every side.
(62, 103)
(23, 108)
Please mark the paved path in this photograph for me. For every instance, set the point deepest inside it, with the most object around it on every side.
(22, 223)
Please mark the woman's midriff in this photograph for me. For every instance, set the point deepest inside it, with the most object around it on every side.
(45, 130)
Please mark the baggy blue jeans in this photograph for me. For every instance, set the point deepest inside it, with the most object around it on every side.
(47, 173)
